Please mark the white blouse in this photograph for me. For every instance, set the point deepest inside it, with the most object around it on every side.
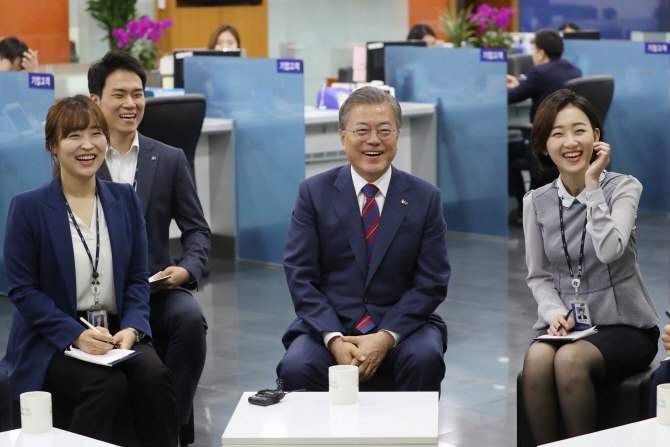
(609, 232)
(82, 265)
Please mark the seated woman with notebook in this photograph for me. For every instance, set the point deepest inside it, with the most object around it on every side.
(581, 252)
(74, 247)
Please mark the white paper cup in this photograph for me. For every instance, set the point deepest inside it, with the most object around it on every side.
(36, 414)
(343, 384)
(663, 404)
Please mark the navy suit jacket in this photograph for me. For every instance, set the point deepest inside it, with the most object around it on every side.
(166, 189)
(326, 265)
(39, 259)
(541, 81)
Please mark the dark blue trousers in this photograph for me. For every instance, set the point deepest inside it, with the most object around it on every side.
(416, 363)
(179, 336)
(658, 377)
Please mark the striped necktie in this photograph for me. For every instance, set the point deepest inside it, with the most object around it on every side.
(370, 216)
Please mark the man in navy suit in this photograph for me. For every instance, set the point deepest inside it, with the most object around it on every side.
(548, 74)
(163, 182)
(366, 262)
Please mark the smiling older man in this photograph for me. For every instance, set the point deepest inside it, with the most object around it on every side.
(366, 262)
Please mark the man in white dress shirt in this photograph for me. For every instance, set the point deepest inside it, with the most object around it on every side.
(162, 179)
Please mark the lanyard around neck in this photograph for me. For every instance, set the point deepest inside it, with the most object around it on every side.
(575, 282)
(94, 266)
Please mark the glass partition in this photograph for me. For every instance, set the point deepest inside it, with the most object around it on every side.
(269, 133)
(324, 32)
(637, 121)
(471, 99)
(24, 163)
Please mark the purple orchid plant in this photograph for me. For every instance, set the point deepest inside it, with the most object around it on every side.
(140, 38)
(491, 24)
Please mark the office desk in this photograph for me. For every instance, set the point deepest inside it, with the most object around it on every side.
(55, 438)
(379, 418)
(645, 433)
(416, 144)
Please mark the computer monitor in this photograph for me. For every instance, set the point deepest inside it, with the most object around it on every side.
(376, 57)
(179, 56)
(588, 34)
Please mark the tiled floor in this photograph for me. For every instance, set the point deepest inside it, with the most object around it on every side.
(489, 311)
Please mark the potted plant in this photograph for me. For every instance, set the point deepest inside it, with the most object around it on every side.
(111, 14)
(458, 25)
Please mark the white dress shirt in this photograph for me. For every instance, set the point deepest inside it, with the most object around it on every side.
(122, 169)
(382, 183)
(82, 264)
(609, 232)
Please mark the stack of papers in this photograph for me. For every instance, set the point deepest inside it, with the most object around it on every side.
(572, 336)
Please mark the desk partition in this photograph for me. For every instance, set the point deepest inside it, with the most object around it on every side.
(24, 163)
(638, 122)
(471, 99)
(267, 108)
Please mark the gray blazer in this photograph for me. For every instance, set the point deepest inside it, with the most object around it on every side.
(167, 191)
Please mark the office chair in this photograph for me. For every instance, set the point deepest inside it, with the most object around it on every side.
(599, 90)
(175, 121)
(518, 64)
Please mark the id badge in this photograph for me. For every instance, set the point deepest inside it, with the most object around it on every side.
(581, 314)
(97, 318)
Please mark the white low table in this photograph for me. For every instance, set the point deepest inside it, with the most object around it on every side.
(645, 433)
(309, 419)
(55, 438)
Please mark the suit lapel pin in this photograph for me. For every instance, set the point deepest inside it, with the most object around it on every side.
(404, 202)
(153, 158)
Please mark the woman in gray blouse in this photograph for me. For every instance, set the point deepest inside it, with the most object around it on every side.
(580, 246)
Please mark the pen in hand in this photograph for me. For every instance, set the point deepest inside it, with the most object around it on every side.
(667, 313)
(560, 326)
(93, 327)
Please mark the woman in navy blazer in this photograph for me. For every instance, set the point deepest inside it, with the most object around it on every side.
(40, 253)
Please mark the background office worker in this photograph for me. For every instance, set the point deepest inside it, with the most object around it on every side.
(548, 74)
(371, 305)
(422, 32)
(166, 189)
(16, 56)
(224, 37)
(49, 273)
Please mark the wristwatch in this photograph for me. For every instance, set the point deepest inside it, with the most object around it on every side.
(138, 335)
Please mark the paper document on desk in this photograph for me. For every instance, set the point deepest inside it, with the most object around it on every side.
(111, 358)
(572, 336)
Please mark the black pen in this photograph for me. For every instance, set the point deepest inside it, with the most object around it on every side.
(667, 313)
(560, 326)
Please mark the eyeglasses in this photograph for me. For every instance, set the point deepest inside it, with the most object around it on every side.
(363, 133)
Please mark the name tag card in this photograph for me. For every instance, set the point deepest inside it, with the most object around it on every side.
(289, 66)
(493, 55)
(656, 48)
